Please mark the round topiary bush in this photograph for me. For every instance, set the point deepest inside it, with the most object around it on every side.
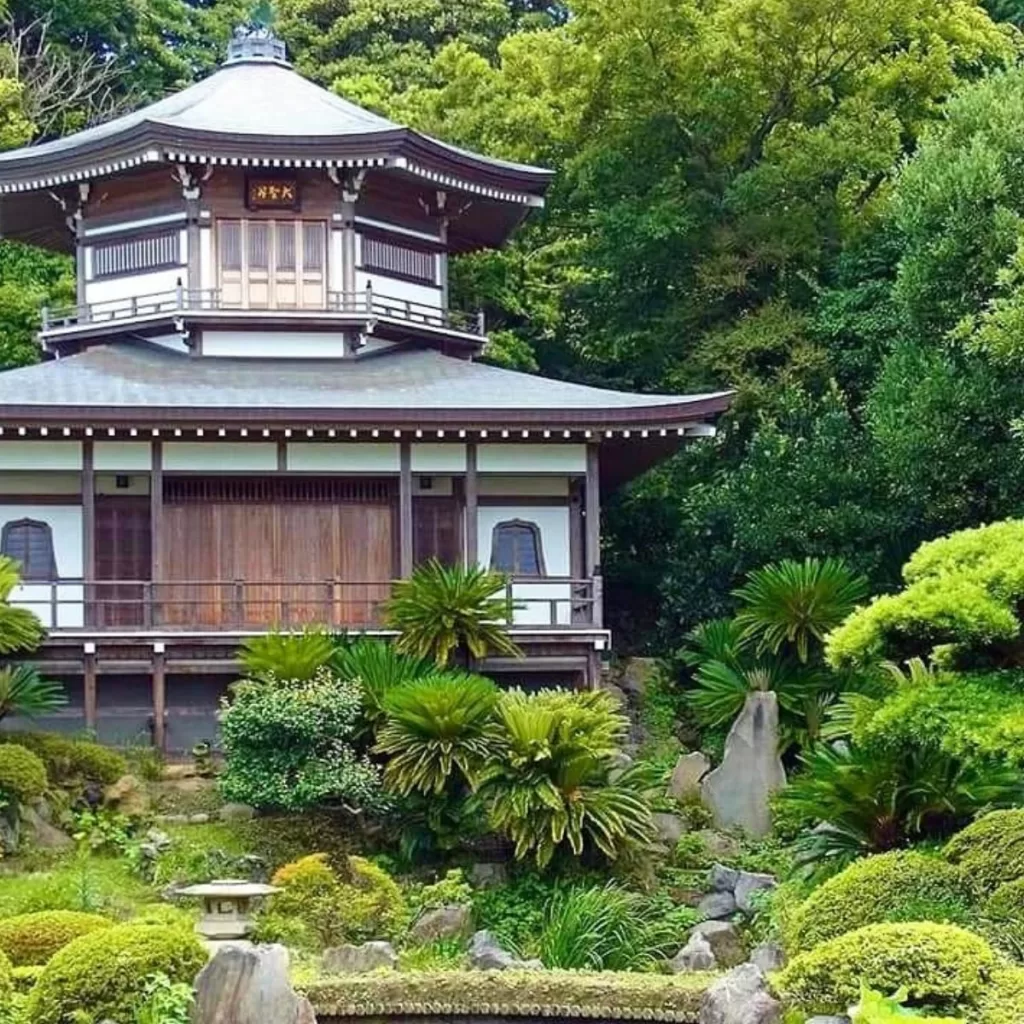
(69, 761)
(1003, 1003)
(943, 968)
(33, 938)
(22, 773)
(1006, 903)
(891, 887)
(991, 851)
(104, 973)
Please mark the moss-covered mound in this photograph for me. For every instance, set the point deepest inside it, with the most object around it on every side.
(103, 974)
(604, 995)
(888, 888)
(991, 851)
(944, 968)
(33, 938)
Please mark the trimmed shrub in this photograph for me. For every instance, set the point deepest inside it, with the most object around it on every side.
(533, 994)
(71, 761)
(25, 978)
(889, 887)
(1007, 902)
(1003, 1003)
(104, 973)
(990, 851)
(22, 773)
(33, 938)
(943, 968)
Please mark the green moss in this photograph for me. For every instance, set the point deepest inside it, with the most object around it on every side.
(22, 773)
(890, 887)
(944, 968)
(534, 994)
(33, 938)
(104, 974)
(991, 851)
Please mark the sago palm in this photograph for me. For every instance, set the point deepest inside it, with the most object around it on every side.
(379, 669)
(437, 731)
(440, 609)
(287, 656)
(794, 602)
(20, 629)
(24, 692)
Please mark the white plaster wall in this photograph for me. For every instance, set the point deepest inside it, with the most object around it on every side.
(40, 455)
(115, 289)
(276, 344)
(309, 456)
(207, 276)
(230, 456)
(138, 484)
(65, 522)
(439, 458)
(523, 486)
(395, 288)
(532, 458)
(335, 256)
(553, 523)
(122, 456)
(40, 483)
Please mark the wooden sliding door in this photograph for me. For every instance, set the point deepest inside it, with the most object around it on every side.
(123, 552)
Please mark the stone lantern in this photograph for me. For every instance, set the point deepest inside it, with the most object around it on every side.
(227, 907)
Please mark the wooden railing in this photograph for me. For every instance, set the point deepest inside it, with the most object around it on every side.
(366, 303)
(210, 605)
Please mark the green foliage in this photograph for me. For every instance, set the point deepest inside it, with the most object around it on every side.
(451, 890)
(943, 968)
(6, 982)
(71, 763)
(553, 782)
(24, 978)
(107, 973)
(875, 1008)
(990, 851)
(362, 903)
(606, 928)
(891, 887)
(442, 609)
(289, 744)
(434, 727)
(1004, 1001)
(33, 938)
(962, 594)
(379, 668)
(515, 911)
(164, 1001)
(24, 692)
(22, 774)
(20, 630)
(440, 955)
(864, 801)
(292, 656)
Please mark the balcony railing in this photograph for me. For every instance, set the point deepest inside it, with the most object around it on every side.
(216, 605)
(365, 304)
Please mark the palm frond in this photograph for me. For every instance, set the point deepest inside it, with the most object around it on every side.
(24, 692)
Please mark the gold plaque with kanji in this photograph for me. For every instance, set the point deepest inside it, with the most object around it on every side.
(271, 194)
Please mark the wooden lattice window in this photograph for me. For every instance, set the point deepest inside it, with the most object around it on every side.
(394, 260)
(137, 255)
(30, 543)
(516, 549)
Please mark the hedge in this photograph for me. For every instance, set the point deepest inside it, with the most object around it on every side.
(991, 851)
(104, 973)
(69, 760)
(601, 995)
(33, 938)
(943, 967)
(891, 887)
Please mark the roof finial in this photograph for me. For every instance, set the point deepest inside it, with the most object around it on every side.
(255, 40)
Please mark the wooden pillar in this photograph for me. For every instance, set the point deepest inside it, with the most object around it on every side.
(159, 697)
(89, 685)
(405, 511)
(90, 616)
(593, 530)
(156, 510)
(472, 518)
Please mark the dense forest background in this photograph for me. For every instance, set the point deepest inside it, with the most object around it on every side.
(820, 205)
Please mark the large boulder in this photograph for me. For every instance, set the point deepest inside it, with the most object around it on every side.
(488, 874)
(722, 878)
(451, 922)
(245, 984)
(670, 827)
(738, 790)
(486, 954)
(685, 781)
(740, 997)
(769, 956)
(749, 883)
(369, 956)
(127, 796)
(725, 940)
(236, 812)
(717, 905)
(696, 955)
(41, 833)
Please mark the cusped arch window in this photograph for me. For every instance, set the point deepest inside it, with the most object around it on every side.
(30, 543)
(516, 548)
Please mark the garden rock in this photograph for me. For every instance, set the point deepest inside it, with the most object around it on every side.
(685, 781)
(488, 875)
(245, 984)
(718, 845)
(670, 827)
(725, 942)
(696, 955)
(236, 812)
(747, 884)
(717, 905)
(10, 833)
(769, 956)
(723, 879)
(128, 796)
(486, 954)
(42, 834)
(740, 997)
(738, 790)
(370, 956)
(451, 922)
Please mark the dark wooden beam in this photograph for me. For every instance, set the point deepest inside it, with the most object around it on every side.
(405, 511)
(472, 501)
(593, 512)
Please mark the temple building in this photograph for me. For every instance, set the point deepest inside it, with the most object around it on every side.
(263, 408)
